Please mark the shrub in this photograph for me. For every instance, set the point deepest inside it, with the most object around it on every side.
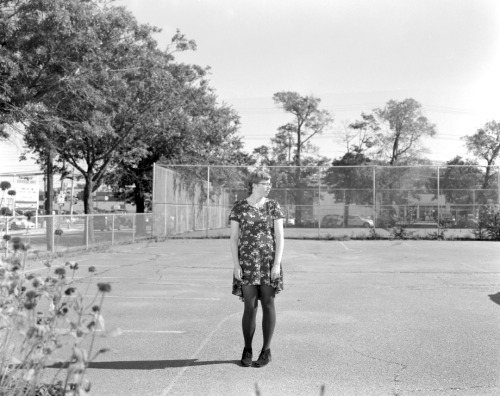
(488, 225)
(42, 316)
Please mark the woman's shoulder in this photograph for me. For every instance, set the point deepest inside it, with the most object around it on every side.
(238, 203)
(272, 202)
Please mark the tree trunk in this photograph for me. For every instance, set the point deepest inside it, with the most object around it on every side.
(88, 235)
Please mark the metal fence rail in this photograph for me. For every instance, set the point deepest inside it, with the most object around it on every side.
(78, 231)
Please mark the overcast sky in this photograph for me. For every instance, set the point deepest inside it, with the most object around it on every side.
(354, 54)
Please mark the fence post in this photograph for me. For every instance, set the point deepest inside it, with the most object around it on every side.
(87, 231)
(133, 227)
(438, 196)
(319, 202)
(153, 199)
(165, 212)
(374, 197)
(112, 229)
(208, 201)
(52, 233)
(498, 185)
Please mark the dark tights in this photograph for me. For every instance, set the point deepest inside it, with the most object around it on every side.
(251, 298)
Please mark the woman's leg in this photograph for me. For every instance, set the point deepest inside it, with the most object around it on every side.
(268, 314)
(251, 299)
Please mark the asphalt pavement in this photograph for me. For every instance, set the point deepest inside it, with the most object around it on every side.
(355, 318)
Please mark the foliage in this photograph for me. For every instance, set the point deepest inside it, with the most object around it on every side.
(457, 180)
(350, 180)
(485, 144)
(439, 234)
(488, 226)
(309, 120)
(42, 317)
(395, 132)
(360, 135)
(188, 127)
(400, 228)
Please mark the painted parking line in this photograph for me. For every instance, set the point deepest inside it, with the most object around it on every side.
(207, 339)
(343, 244)
(154, 331)
(474, 268)
(159, 298)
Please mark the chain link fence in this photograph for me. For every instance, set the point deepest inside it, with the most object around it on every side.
(192, 200)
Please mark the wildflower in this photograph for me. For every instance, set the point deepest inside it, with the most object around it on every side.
(96, 308)
(91, 268)
(63, 310)
(104, 287)
(6, 237)
(69, 291)
(58, 232)
(60, 271)
(30, 304)
(16, 243)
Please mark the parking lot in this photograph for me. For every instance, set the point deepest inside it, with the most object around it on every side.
(356, 317)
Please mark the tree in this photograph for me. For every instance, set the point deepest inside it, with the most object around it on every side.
(90, 117)
(350, 181)
(402, 128)
(41, 48)
(309, 120)
(485, 144)
(359, 136)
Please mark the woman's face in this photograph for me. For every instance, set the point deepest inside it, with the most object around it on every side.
(262, 188)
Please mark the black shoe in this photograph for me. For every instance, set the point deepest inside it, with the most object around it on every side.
(264, 358)
(246, 358)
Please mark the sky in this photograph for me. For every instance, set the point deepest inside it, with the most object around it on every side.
(355, 55)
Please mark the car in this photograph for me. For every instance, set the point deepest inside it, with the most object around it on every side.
(447, 219)
(20, 223)
(103, 222)
(360, 221)
(332, 220)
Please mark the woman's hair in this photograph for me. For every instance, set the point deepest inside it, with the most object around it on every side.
(256, 177)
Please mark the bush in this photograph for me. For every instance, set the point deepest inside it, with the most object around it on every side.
(42, 317)
(488, 225)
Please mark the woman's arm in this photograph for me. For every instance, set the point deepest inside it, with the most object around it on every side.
(235, 234)
(280, 242)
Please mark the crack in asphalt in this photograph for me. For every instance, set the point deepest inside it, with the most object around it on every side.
(396, 378)
(454, 389)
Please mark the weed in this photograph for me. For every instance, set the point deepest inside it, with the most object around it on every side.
(42, 314)
(488, 225)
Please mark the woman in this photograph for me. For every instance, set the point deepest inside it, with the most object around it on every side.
(257, 246)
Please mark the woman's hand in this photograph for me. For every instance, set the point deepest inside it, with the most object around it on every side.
(275, 272)
(237, 272)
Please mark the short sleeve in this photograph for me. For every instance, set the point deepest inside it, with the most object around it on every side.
(276, 212)
(235, 213)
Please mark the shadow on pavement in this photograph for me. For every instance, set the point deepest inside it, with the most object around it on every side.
(150, 364)
(495, 298)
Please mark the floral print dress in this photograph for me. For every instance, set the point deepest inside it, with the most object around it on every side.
(256, 244)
